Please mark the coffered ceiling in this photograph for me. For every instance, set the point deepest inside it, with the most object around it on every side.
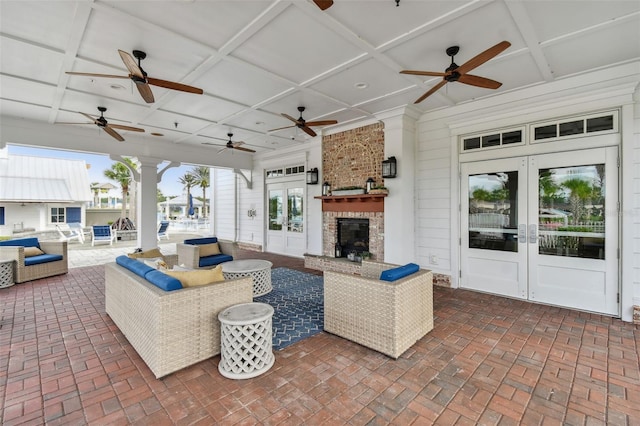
(257, 59)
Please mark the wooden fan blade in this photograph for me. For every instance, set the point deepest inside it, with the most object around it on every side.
(295, 120)
(69, 122)
(323, 4)
(483, 57)
(128, 128)
(309, 131)
(174, 86)
(88, 74)
(321, 123)
(241, 148)
(474, 80)
(131, 64)
(113, 133)
(427, 73)
(89, 117)
(237, 143)
(281, 128)
(431, 92)
(145, 92)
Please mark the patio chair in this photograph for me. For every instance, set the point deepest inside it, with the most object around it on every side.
(163, 230)
(102, 233)
(68, 234)
(77, 227)
(35, 259)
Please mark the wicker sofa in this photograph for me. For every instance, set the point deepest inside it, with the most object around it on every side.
(170, 330)
(53, 262)
(388, 317)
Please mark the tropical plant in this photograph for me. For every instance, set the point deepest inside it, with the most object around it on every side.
(121, 174)
(202, 180)
(579, 191)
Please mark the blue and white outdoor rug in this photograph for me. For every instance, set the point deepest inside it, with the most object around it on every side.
(298, 303)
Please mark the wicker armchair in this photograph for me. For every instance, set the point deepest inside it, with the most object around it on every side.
(189, 252)
(388, 317)
(41, 270)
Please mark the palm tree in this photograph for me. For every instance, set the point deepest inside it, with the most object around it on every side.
(579, 191)
(202, 180)
(189, 181)
(120, 173)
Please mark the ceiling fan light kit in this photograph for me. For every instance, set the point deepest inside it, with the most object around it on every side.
(455, 72)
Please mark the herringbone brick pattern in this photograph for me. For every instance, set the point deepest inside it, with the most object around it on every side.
(489, 360)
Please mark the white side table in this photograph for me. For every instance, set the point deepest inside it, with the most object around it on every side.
(6, 273)
(258, 269)
(245, 345)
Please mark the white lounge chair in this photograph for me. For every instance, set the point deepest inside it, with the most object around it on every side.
(68, 234)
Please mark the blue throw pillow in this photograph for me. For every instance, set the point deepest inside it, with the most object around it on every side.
(399, 272)
(163, 281)
(138, 268)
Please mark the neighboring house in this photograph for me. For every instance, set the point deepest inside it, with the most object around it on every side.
(36, 193)
(177, 208)
(104, 192)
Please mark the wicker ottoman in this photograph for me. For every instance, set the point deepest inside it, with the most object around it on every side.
(245, 340)
(6, 273)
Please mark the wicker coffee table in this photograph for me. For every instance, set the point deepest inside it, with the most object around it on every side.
(259, 270)
(6, 273)
(245, 340)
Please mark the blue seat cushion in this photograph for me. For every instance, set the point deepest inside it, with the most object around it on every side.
(138, 268)
(198, 241)
(163, 281)
(214, 260)
(42, 258)
(399, 272)
(24, 242)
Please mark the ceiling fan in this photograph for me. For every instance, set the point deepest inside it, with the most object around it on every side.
(140, 78)
(234, 145)
(304, 125)
(323, 4)
(459, 73)
(102, 123)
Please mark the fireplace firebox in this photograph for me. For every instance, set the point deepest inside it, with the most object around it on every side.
(353, 235)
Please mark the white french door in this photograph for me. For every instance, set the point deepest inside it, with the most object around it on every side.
(286, 225)
(543, 228)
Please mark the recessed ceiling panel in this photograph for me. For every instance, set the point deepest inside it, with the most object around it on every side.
(10, 108)
(364, 81)
(316, 106)
(168, 120)
(203, 106)
(212, 23)
(256, 120)
(297, 47)
(88, 104)
(26, 91)
(245, 84)
(42, 22)
(30, 61)
(377, 22)
(552, 19)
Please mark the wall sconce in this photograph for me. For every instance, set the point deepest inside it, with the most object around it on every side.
(369, 184)
(312, 176)
(252, 213)
(326, 189)
(389, 168)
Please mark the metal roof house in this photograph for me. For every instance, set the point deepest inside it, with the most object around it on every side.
(36, 193)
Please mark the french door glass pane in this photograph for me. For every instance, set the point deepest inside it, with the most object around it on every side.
(275, 210)
(493, 211)
(571, 216)
(295, 210)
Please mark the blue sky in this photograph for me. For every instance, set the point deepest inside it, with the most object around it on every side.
(170, 185)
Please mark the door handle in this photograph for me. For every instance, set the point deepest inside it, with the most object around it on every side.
(533, 233)
(522, 233)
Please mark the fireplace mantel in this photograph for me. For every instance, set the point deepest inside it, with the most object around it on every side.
(353, 203)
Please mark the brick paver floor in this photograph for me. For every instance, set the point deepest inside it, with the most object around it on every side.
(489, 360)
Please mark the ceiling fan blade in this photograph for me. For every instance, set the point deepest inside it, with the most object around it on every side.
(474, 80)
(431, 92)
(88, 74)
(69, 122)
(145, 92)
(174, 86)
(483, 57)
(113, 133)
(131, 64)
(128, 128)
(309, 131)
(323, 4)
(427, 73)
(89, 117)
(321, 123)
(295, 120)
(281, 128)
(237, 144)
(241, 148)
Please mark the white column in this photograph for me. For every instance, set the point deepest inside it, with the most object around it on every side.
(399, 206)
(147, 179)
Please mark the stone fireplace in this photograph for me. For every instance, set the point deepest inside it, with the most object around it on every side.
(375, 243)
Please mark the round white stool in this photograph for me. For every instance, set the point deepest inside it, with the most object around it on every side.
(258, 269)
(245, 345)
(6, 273)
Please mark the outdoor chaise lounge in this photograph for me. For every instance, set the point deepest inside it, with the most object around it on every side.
(35, 259)
(387, 316)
